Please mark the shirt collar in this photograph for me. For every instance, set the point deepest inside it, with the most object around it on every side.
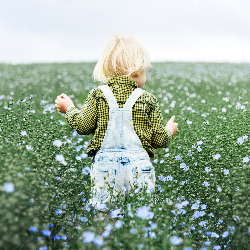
(123, 80)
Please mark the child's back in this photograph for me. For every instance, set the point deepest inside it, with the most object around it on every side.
(126, 121)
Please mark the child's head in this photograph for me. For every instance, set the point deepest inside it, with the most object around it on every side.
(121, 56)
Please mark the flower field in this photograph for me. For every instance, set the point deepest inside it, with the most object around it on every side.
(201, 198)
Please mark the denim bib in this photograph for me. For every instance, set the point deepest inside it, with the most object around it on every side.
(121, 161)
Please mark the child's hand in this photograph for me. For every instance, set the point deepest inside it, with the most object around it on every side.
(63, 102)
(172, 126)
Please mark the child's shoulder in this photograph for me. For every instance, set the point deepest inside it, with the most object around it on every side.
(148, 97)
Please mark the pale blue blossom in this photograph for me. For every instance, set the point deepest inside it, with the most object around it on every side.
(63, 237)
(195, 206)
(169, 178)
(8, 187)
(207, 169)
(175, 240)
(246, 159)
(118, 224)
(206, 183)
(86, 170)
(226, 171)
(60, 158)
(33, 229)
(98, 241)
(23, 133)
(219, 189)
(115, 213)
(216, 157)
(203, 207)
(144, 213)
(57, 143)
(189, 122)
(217, 247)
(46, 232)
(215, 235)
(88, 237)
(240, 140)
(58, 211)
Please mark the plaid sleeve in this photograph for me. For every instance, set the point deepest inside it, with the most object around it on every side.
(84, 121)
(161, 136)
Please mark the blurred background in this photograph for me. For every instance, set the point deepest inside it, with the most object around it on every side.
(34, 31)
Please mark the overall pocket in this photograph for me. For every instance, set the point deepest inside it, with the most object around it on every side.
(146, 176)
(102, 178)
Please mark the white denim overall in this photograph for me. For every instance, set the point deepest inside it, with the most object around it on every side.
(121, 157)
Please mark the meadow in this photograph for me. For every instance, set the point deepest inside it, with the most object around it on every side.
(201, 198)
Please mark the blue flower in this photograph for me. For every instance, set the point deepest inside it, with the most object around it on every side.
(132, 230)
(46, 232)
(207, 243)
(169, 178)
(216, 157)
(23, 133)
(57, 143)
(84, 219)
(206, 183)
(240, 140)
(8, 187)
(141, 246)
(84, 156)
(86, 170)
(98, 241)
(42, 248)
(226, 171)
(118, 224)
(155, 161)
(199, 148)
(115, 213)
(195, 206)
(175, 240)
(56, 237)
(189, 122)
(33, 229)
(177, 157)
(144, 213)
(106, 234)
(161, 178)
(188, 248)
(215, 235)
(203, 206)
(225, 234)
(88, 237)
(246, 159)
(58, 211)
(63, 237)
(217, 247)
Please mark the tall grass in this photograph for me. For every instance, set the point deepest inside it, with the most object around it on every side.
(201, 199)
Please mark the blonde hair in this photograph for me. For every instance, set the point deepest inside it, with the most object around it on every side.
(121, 56)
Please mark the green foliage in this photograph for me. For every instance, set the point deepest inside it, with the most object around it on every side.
(206, 167)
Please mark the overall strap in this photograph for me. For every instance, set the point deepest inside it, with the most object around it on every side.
(109, 96)
(133, 98)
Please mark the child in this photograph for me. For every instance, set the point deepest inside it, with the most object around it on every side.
(126, 121)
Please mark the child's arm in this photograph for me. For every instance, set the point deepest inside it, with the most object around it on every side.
(161, 136)
(82, 121)
(172, 126)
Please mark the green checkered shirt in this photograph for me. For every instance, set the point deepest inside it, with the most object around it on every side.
(94, 114)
